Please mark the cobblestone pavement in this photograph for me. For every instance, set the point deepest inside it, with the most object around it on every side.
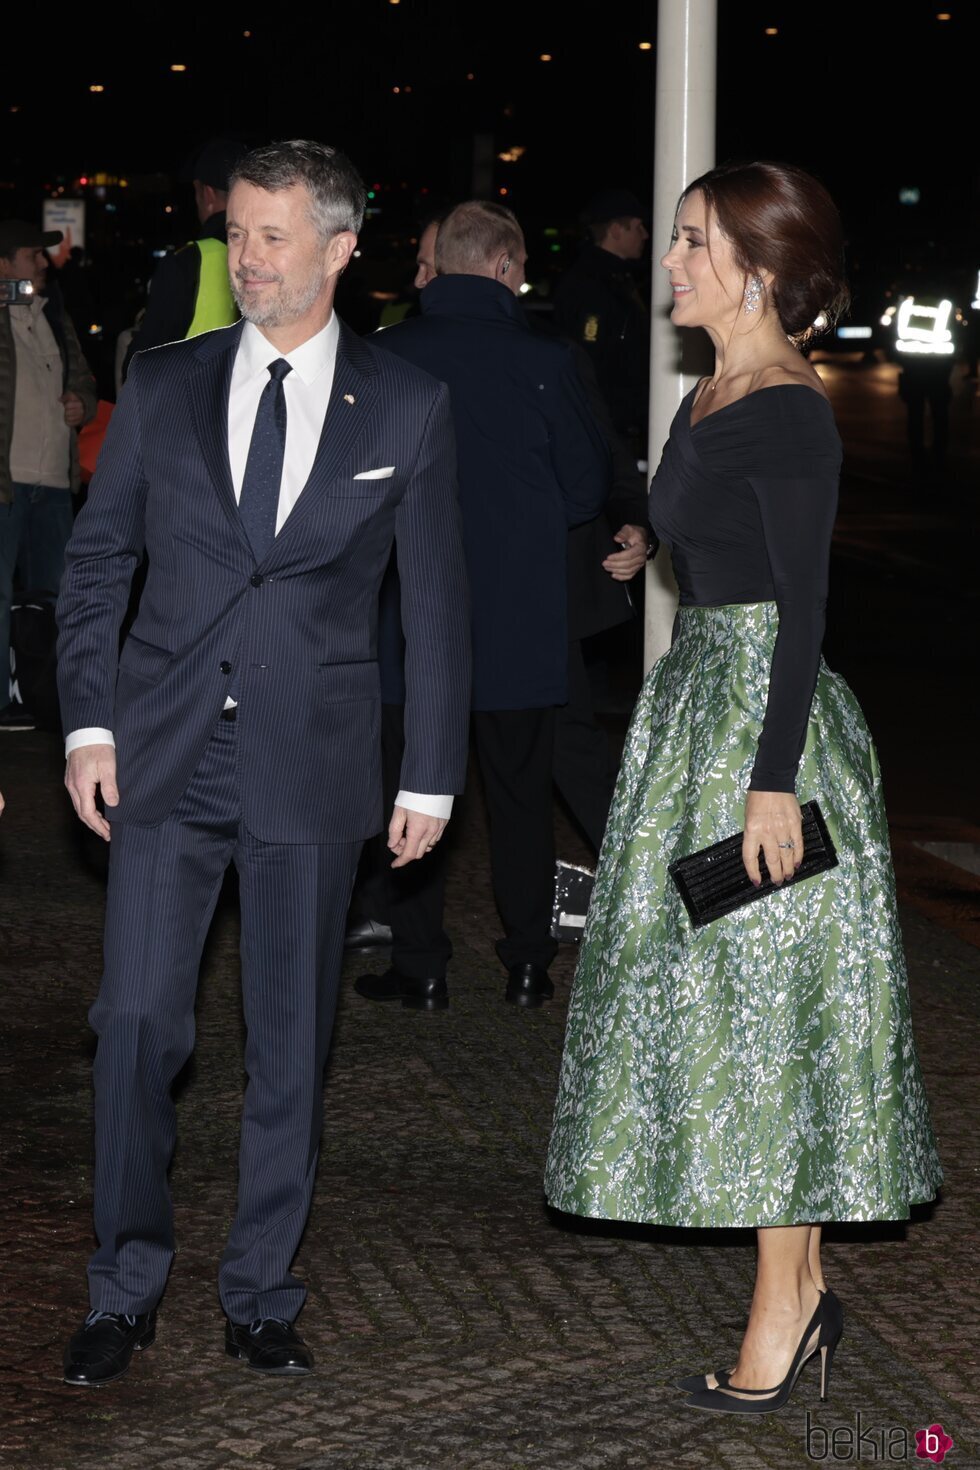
(456, 1324)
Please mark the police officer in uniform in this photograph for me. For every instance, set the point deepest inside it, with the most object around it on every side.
(190, 292)
(598, 306)
(927, 340)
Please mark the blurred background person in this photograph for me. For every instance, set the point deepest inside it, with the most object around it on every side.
(405, 303)
(532, 462)
(604, 554)
(927, 336)
(190, 291)
(47, 393)
(599, 306)
(425, 254)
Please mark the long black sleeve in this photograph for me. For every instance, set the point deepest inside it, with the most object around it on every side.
(745, 499)
(797, 521)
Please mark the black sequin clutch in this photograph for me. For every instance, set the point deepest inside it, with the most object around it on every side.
(713, 882)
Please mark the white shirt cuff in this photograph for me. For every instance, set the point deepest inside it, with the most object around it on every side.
(412, 801)
(430, 806)
(90, 736)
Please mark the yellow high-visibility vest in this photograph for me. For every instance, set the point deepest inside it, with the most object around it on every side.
(215, 305)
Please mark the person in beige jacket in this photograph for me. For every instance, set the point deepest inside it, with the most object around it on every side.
(47, 392)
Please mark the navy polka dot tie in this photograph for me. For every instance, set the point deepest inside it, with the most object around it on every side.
(258, 504)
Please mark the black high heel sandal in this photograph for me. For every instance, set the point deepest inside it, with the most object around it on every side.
(698, 1382)
(822, 1334)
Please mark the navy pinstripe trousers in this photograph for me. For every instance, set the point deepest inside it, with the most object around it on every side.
(163, 886)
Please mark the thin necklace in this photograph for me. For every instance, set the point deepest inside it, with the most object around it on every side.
(716, 381)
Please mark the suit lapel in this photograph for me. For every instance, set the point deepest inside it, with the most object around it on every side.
(209, 386)
(352, 400)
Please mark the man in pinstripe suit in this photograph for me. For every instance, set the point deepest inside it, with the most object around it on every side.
(265, 469)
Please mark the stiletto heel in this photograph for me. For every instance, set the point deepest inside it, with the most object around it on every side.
(831, 1329)
(823, 1333)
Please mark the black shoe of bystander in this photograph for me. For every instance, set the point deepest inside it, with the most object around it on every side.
(366, 934)
(528, 985)
(430, 994)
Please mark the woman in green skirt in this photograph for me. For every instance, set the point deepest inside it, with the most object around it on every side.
(760, 1070)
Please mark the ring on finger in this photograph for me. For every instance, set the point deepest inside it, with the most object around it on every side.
(791, 845)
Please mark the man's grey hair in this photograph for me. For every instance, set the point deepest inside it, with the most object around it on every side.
(336, 190)
(473, 234)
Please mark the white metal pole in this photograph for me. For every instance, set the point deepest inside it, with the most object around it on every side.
(684, 148)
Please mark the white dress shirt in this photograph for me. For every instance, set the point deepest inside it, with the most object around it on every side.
(307, 390)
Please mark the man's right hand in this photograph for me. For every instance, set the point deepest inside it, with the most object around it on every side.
(90, 767)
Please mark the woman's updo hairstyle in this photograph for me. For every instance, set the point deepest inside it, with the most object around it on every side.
(780, 219)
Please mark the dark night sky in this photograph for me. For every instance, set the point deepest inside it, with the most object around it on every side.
(870, 96)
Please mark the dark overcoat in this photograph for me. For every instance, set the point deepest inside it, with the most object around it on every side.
(531, 463)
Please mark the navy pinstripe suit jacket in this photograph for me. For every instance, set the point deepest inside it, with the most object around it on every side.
(297, 631)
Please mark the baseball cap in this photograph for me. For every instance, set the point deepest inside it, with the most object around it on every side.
(213, 162)
(16, 234)
(614, 204)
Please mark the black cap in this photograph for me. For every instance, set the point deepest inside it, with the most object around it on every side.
(16, 234)
(614, 204)
(213, 163)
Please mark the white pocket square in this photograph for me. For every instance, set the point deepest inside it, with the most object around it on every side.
(376, 474)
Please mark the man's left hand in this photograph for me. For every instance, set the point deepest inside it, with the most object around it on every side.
(623, 565)
(412, 834)
(74, 409)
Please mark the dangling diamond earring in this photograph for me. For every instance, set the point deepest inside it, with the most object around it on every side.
(753, 294)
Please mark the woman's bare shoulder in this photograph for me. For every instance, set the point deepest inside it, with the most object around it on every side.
(790, 374)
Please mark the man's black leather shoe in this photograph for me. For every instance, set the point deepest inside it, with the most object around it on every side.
(269, 1346)
(528, 985)
(366, 934)
(103, 1346)
(420, 995)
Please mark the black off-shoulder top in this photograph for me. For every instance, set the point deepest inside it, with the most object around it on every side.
(746, 500)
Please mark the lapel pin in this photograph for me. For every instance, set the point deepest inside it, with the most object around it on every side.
(349, 398)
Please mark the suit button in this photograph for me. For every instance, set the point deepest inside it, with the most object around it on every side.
(225, 666)
(256, 579)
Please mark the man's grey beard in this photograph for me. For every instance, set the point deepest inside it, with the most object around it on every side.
(286, 306)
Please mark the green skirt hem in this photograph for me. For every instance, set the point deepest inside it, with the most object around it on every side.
(895, 1215)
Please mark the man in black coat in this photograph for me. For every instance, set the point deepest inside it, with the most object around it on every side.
(532, 462)
(604, 556)
(598, 306)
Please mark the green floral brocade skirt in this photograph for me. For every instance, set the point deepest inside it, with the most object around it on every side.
(761, 1070)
